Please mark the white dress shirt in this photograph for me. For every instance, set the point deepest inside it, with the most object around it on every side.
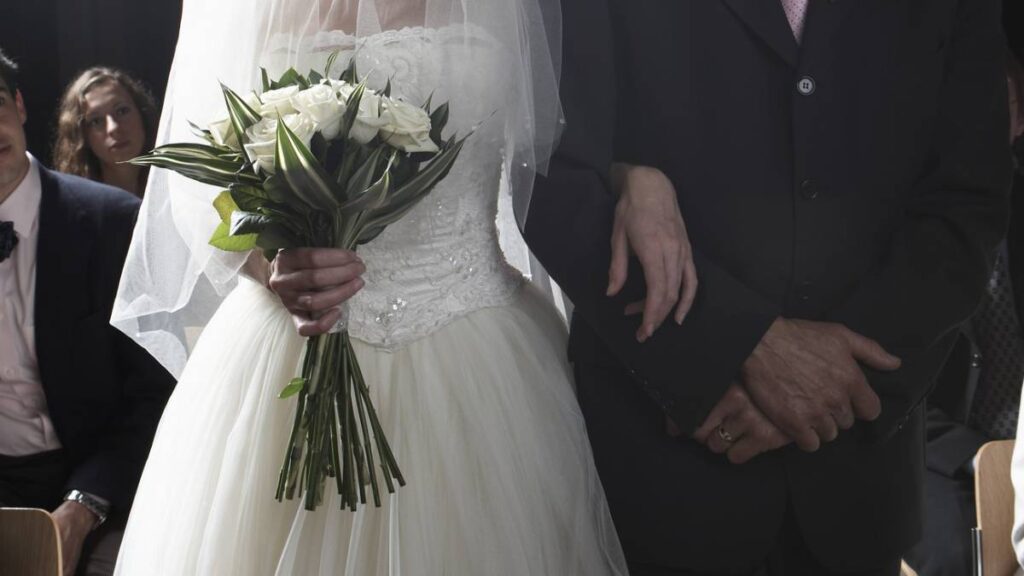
(25, 426)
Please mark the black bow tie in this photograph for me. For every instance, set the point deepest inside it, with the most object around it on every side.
(8, 239)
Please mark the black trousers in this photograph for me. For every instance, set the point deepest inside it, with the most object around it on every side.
(790, 557)
(949, 515)
(35, 481)
(39, 481)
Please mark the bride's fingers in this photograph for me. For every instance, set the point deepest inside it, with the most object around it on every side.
(319, 302)
(315, 279)
(293, 259)
(689, 290)
(308, 327)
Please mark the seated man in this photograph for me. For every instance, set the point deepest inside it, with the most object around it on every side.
(79, 401)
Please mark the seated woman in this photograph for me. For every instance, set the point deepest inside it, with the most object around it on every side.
(105, 118)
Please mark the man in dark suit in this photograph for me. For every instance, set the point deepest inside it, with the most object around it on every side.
(79, 402)
(843, 172)
(977, 395)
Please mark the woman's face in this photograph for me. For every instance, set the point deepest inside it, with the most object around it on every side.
(113, 124)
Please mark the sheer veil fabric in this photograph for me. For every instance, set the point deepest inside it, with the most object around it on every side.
(173, 280)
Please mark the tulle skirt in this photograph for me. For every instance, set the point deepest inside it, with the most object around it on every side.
(484, 424)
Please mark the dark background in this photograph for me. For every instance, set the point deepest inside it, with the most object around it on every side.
(53, 40)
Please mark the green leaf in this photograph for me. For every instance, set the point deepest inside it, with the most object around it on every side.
(351, 110)
(242, 116)
(291, 77)
(243, 223)
(277, 189)
(330, 63)
(304, 175)
(223, 240)
(364, 174)
(403, 199)
(202, 163)
(374, 197)
(225, 206)
(277, 236)
(264, 79)
(314, 77)
(248, 198)
(350, 75)
(293, 388)
(203, 133)
(387, 89)
(438, 121)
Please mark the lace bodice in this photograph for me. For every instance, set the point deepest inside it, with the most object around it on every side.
(442, 260)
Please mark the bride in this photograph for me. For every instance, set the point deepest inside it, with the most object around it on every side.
(465, 358)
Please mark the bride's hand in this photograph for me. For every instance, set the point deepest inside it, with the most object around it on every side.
(648, 221)
(313, 282)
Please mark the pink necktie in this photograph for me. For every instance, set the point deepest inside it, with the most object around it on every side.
(796, 12)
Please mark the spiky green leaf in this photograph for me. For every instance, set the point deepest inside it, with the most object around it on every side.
(305, 178)
(242, 116)
(438, 122)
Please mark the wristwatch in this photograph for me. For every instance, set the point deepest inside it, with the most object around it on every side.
(94, 504)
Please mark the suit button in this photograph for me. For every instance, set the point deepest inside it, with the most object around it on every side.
(806, 86)
(808, 190)
(803, 291)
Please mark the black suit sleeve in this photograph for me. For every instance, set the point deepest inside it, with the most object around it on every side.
(112, 470)
(939, 258)
(569, 230)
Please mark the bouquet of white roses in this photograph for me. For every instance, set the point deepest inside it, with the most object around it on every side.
(313, 161)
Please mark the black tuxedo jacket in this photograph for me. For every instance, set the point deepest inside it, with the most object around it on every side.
(860, 178)
(105, 394)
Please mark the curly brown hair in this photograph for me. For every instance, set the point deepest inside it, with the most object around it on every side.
(71, 152)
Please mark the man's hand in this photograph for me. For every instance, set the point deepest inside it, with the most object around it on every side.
(74, 523)
(737, 428)
(647, 219)
(313, 282)
(806, 379)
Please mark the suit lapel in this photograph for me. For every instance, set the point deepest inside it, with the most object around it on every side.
(62, 290)
(767, 20)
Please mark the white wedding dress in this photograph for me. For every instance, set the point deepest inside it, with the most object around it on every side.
(467, 368)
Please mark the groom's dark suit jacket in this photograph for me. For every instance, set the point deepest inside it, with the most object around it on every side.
(104, 393)
(872, 194)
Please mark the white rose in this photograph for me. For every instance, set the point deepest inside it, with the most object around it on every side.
(368, 119)
(320, 104)
(277, 103)
(224, 133)
(262, 138)
(407, 127)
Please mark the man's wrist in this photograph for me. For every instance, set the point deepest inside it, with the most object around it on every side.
(99, 507)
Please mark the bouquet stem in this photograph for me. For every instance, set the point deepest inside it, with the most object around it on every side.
(336, 431)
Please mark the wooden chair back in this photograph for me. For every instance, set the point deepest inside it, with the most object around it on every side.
(993, 493)
(29, 543)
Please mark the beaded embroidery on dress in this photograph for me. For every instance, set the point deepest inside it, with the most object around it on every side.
(466, 365)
